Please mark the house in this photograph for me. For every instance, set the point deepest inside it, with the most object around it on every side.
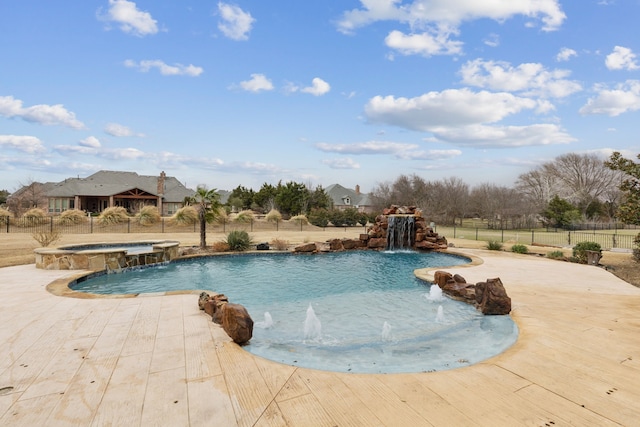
(343, 198)
(106, 189)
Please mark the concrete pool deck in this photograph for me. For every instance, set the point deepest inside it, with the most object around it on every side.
(158, 360)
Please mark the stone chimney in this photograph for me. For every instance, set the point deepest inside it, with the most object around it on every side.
(161, 182)
(357, 189)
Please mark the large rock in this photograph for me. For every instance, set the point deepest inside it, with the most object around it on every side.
(237, 323)
(306, 248)
(352, 243)
(336, 245)
(213, 305)
(455, 286)
(492, 298)
(377, 243)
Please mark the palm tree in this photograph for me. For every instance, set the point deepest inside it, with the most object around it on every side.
(207, 202)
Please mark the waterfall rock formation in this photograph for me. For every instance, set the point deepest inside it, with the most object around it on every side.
(403, 227)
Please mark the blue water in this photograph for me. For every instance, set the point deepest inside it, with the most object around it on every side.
(352, 295)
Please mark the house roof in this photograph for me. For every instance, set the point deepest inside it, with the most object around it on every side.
(338, 194)
(109, 183)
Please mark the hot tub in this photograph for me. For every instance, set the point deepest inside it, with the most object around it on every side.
(106, 256)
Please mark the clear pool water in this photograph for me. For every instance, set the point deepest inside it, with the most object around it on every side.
(373, 315)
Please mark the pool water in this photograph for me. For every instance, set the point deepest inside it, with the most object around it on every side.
(359, 311)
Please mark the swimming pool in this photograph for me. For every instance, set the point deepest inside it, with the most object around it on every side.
(372, 313)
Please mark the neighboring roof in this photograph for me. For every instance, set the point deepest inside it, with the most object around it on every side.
(109, 183)
(338, 193)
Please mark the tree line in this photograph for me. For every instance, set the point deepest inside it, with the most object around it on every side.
(570, 189)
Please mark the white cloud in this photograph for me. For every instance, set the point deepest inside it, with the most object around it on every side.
(452, 107)
(397, 149)
(532, 79)
(130, 19)
(90, 141)
(115, 129)
(165, 69)
(462, 117)
(622, 58)
(236, 23)
(345, 163)
(26, 144)
(424, 44)
(504, 136)
(565, 54)
(623, 98)
(369, 147)
(257, 83)
(492, 40)
(318, 87)
(42, 113)
(444, 18)
(122, 154)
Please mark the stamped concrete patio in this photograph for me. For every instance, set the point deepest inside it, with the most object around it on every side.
(158, 360)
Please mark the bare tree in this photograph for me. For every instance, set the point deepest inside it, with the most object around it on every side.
(29, 195)
(581, 179)
(454, 199)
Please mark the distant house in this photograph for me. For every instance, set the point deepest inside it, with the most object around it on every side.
(344, 198)
(106, 189)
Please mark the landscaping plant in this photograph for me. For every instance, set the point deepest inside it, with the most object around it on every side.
(238, 240)
(580, 250)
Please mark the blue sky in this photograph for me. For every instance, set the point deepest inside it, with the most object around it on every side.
(319, 92)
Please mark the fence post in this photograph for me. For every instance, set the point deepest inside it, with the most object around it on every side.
(128, 225)
(162, 220)
(502, 235)
(91, 224)
(51, 224)
(532, 238)
(569, 237)
(454, 230)
(476, 233)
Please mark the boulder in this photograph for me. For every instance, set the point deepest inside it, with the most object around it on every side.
(213, 305)
(491, 297)
(352, 243)
(237, 323)
(202, 299)
(455, 286)
(377, 243)
(306, 247)
(336, 245)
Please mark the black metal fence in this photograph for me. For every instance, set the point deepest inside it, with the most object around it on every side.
(608, 240)
(92, 225)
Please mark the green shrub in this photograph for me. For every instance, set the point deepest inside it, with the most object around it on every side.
(580, 250)
(519, 249)
(187, 215)
(319, 217)
(238, 240)
(555, 255)
(636, 248)
(494, 245)
(113, 215)
(72, 217)
(148, 215)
